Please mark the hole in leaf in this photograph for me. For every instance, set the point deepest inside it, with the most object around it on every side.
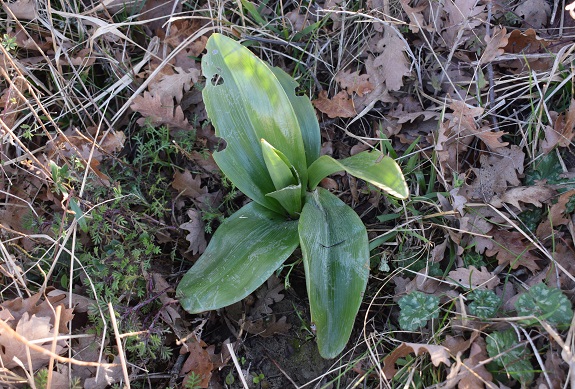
(217, 80)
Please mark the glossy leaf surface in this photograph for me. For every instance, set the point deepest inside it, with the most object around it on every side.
(305, 113)
(373, 167)
(278, 166)
(336, 259)
(246, 103)
(243, 253)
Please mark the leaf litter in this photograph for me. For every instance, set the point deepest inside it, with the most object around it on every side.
(422, 83)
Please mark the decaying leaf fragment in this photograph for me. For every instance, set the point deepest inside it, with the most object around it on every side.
(438, 354)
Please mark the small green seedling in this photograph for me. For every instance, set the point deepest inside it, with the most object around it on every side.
(272, 155)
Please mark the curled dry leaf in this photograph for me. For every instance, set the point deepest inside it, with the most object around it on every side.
(438, 354)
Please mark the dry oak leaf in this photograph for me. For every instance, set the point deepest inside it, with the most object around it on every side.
(473, 278)
(354, 82)
(41, 307)
(535, 13)
(513, 249)
(496, 172)
(188, 185)
(438, 354)
(266, 327)
(22, 9)
(555, 217)
(108, 375)
(196, 235)
(494, 45)
(198, 362)
(462, 16)
(536, 195)
(339, 106)
(391, 64)
(562, 131)
(32, 328)
(169, 86)
(157, 112)
(475, 376)
(415, 16)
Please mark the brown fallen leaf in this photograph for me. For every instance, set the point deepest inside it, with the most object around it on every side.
(475, 376)
(513, 249)
(158, 113)
(556, 216)
(354, 82)
(196, 235)
(188, 185)
(438, 354)
(40, 306)
(22, 9)
(339, 106)
(108, 375)
(562, 132)
(198, 362)
(33, 328)
(299, 20)
(494, 45)
(173, 86)
(497, 172)
(536, 195)
(391, 64)
(473, 278)
(535, 13)
(462, 16)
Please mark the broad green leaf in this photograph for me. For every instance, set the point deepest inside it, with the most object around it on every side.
(246, 102)
(416, 309)
(373, 167)
(502, 346)
(289, 198)
(485, 303)
(545, 303)
(278, 166)
(243, 253)
(336, 260)
(305, 115)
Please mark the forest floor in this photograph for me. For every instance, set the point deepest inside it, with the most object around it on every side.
(110, 193)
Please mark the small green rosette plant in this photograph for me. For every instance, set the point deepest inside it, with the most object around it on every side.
(272, 155)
